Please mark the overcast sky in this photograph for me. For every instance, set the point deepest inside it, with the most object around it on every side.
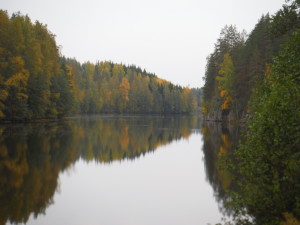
(170, 38)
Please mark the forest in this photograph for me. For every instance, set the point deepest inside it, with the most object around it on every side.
(251, 79)
(255, 80)
(37, 82)
(240, 61)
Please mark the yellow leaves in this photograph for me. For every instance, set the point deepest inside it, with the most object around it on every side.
(186, 90)
(104, 69)
(16, 63)
(2, 115)
(226, 140)
(289, 219)
(226, 143)
(227, 65)
(104, 66)
(18, 80)
(224, 93)
(226, 103)
(124, 138)
(159, 81)
(220, 79)
(227, 99)
(89, 70)
(71, 81)
(118, 70)
(147, 79)
(17, 166)
(124, 88)
(69, 70)
(3, 95)
(20, 77)
(22, 96)
(225, 81)
(222, 149)
(139, 76)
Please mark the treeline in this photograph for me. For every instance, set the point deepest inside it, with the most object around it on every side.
(267, 163)
(106, 87)
(37, 82)
(264, 68)
(239, 63)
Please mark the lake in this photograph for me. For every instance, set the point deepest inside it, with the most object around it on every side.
(114, 170)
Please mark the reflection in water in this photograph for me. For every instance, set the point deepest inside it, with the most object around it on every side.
(219, 139)
(33, 155)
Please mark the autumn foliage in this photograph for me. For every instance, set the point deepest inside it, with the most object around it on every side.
(36, 82)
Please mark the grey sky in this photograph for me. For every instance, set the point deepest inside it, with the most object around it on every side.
(170, 38)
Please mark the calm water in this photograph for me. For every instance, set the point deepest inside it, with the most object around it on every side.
(113, 170)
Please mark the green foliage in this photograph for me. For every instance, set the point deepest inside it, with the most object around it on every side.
(285, 20)
(36, 83)
(220, 71)
(30, 71)
(250, 58)
(268, 160)
(114, 88)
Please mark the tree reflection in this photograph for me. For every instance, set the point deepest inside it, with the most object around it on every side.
(33, 155)
(219, 139)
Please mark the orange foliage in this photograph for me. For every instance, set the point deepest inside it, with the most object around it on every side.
(124, 88)
(226, 140)
(226, 104)
(222, 149)
(124, 138)
(223, 93)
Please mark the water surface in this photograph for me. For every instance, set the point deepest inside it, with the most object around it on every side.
(107, 170)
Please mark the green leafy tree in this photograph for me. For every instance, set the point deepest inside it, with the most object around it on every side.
(268, 161)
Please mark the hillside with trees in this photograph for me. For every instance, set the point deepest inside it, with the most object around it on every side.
(257, 79)
(36, 82)
(267, 163)
(240, 61)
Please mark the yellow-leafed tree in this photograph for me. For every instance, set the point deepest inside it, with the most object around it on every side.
(225, 81)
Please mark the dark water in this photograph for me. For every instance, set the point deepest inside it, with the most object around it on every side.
(114, 170)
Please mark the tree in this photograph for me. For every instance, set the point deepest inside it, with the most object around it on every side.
(36, 82)
(229, 44)
(268, 160)
(16, 101)
(285, 20)
(124, 89)
(225, 82)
